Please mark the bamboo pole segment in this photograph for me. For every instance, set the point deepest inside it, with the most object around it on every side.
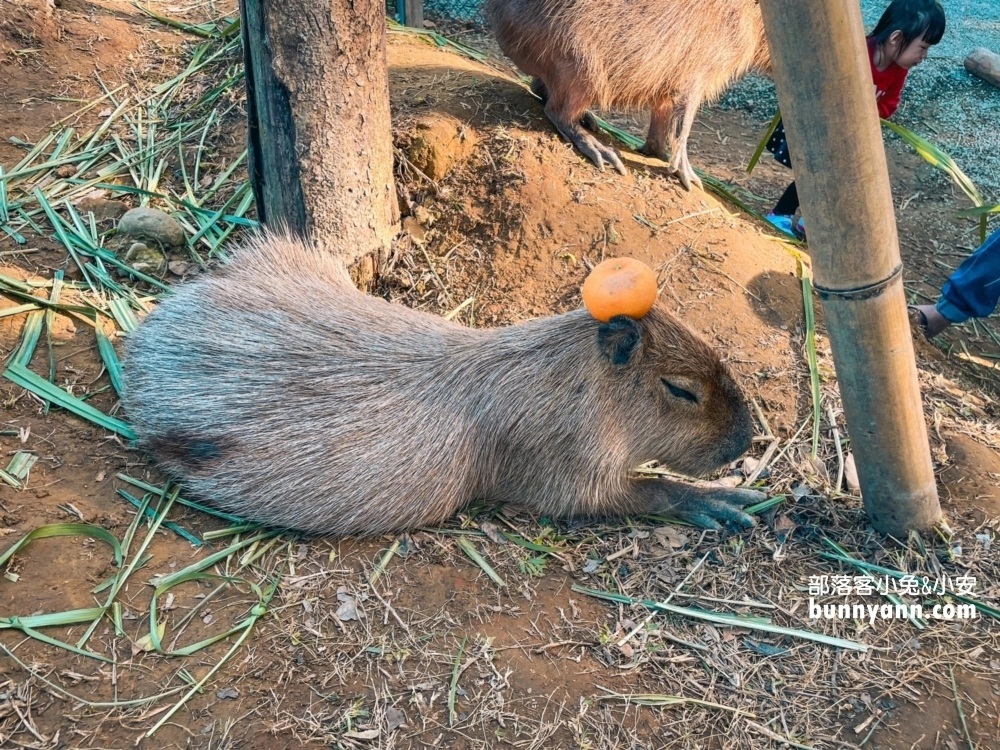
(820, 66)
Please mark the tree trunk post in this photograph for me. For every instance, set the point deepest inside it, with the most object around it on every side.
(825, 90)
(413, 13)
(319, 131)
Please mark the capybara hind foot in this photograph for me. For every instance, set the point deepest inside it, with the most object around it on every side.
(709, 507)
(681, 167)
(589, 146)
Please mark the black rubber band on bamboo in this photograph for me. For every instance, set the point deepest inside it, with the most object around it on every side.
(862, 292)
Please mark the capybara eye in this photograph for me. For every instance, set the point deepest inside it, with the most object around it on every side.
(677, 392)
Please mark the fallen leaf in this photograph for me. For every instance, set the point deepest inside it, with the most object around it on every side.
(783, 527)
(368, 734)
(670, 537)
(493, 532)
(394, 718)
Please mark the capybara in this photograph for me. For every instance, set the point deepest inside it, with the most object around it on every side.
(667, 56)
(275, 390)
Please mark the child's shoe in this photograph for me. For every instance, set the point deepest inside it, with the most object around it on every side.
(784, 223)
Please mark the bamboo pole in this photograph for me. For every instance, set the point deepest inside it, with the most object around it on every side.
(824, 84)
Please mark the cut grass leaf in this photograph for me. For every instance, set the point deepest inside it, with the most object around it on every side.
(8, 479)
(980, 606)
(810, 319)
(752, 510)
(66, 529)
(149, 512)
(110, 359)
(651, 699)
(772, 126)
(20, 465)
(29, 625)
(470, 549)
(723, 618)
(29, 338)
(917, 622)
(158, 628)
(380, 568)
(456, 670)
(264, 600)
(939, 159)
(22, 376)
(17, 310)
(181, 501)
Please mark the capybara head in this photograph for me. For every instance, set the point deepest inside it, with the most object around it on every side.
(687, 410)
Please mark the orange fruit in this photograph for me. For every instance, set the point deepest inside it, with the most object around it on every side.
(619, 286)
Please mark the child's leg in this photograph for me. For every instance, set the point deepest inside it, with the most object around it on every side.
(973, 290)
(788, 203)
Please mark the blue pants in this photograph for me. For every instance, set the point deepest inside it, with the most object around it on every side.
(973, 290)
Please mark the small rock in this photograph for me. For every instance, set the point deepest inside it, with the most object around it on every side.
(152, 224)
(101, 207)
(227, 694)
(178, 267)
(146, 259)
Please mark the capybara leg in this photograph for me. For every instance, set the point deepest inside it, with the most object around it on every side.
(566, 112)
(539, 89)
(707, 507)
(660, 129)
(683, 118)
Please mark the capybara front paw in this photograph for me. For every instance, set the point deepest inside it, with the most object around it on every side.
(718, 508)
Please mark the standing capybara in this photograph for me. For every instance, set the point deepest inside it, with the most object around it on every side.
(274, 389)
(665, 55)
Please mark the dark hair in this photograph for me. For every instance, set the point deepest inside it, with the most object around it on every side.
(914, 18)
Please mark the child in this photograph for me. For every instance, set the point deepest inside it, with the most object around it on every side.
(972, 291)
(898, 42)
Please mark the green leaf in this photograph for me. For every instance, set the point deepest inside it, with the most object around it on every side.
(22, 376)
(469, 549)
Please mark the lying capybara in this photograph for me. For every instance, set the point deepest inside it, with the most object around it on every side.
(275, 390)
(667, 56)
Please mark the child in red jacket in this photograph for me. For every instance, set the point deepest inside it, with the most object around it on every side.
(898, 43)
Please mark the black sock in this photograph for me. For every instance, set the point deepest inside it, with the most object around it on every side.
(788, 203)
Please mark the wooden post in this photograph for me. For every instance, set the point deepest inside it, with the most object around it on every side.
(413, 13)
(319, 131)
(825, 89)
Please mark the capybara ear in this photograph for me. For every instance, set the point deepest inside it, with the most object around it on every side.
(619, 339)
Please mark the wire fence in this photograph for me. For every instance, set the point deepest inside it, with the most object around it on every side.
(461, 10)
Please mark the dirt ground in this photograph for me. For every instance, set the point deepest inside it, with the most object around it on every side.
(421, 648)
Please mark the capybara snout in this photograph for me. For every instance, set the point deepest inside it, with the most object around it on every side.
(275, 390)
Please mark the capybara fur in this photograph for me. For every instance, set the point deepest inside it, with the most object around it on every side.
(667, 56)
(275, 390)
